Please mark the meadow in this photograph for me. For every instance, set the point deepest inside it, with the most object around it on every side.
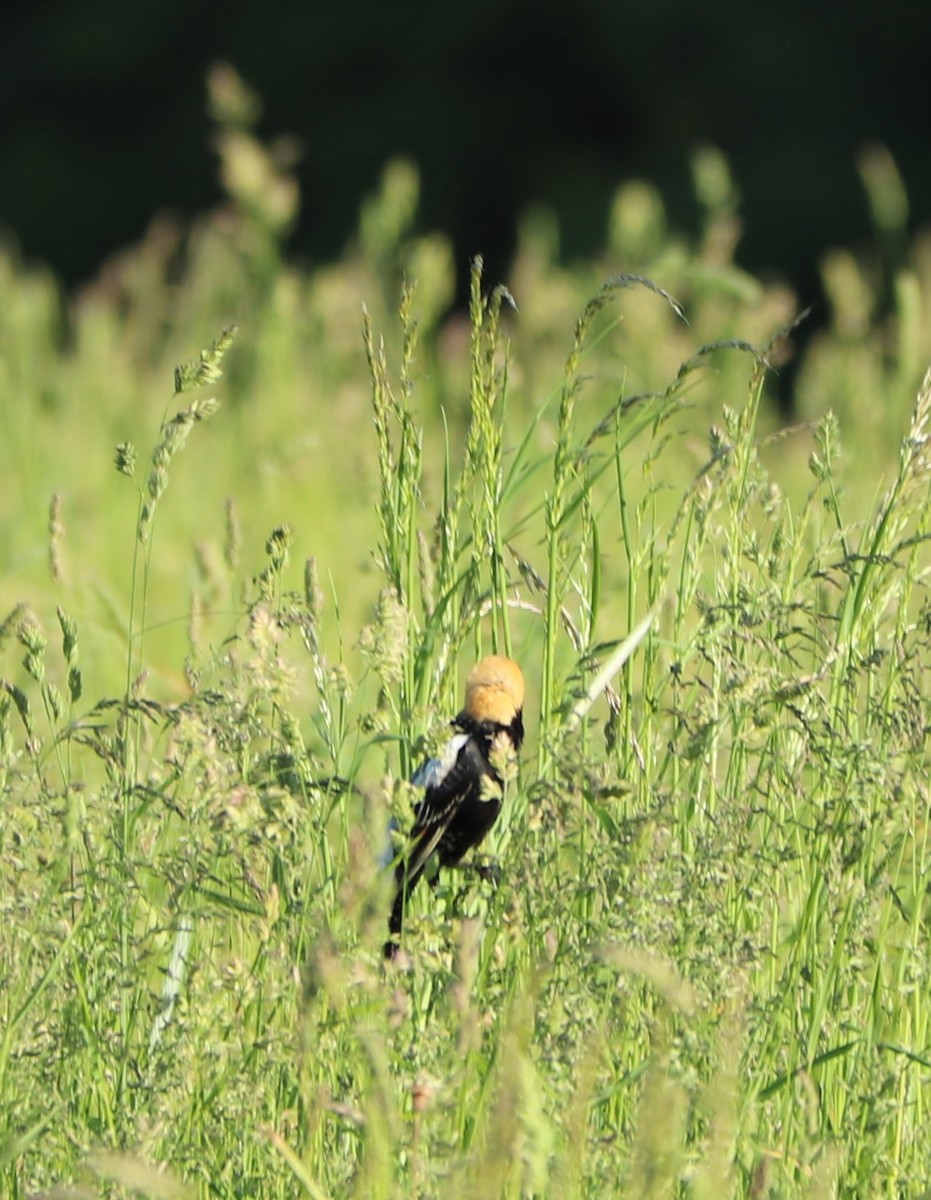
(258, 520)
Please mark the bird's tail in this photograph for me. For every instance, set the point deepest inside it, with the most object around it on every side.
(405, 882)
(407, 873)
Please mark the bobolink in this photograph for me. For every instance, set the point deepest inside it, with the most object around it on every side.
(463, 787)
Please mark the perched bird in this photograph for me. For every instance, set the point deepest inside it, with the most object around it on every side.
(463, 787)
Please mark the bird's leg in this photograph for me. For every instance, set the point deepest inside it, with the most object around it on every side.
(488, 868)
(484, 866)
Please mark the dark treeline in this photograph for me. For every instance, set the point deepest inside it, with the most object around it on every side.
(500, 103)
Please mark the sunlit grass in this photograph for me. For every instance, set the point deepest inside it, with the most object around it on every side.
(705, 971)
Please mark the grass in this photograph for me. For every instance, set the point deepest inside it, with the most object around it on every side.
(705, 971)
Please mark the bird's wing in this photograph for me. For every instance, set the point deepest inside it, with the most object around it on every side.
(432, 773)
(441, 801)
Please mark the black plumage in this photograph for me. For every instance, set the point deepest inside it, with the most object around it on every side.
(464, 788)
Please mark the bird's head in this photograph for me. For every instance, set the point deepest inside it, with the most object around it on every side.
(494, 691)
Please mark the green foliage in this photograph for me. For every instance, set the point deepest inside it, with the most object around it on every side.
(705, 970)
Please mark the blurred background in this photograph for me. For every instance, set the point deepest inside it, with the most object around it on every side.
(502, 104)
(170, 169)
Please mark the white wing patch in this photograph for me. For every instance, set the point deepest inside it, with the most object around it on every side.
(432, 773)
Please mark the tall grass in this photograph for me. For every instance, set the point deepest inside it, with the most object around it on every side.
(705, 969)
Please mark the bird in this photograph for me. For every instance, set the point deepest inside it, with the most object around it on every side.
(463, 787)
